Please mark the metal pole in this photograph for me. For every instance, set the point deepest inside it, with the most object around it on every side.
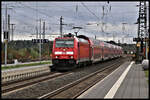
(95, 36)
(6, 39)
(6, 19)
(141, 31)
(12, 30)
(5, 53)
(8, 27)
(123, 30)
(3, 24)
(148, 44)
(137, 47)
(61, 26)
(43, 30)
(146, 31)
(113, 37)
(146, 50)
(36, 32)
(40, 40)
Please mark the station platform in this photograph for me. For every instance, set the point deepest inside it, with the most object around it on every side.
(127, 81)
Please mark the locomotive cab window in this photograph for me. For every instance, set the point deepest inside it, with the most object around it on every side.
(64, 42)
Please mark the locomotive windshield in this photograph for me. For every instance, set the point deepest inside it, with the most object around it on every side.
(64, 43)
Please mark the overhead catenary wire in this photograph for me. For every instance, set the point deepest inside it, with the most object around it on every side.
(79, 10)
(54, 5)
(98, 18)
(90, 11)
(35, 9)
(21, 14)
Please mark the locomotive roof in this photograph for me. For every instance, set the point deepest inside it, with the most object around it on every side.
(92, 40)
(83, 36)
(95, 41)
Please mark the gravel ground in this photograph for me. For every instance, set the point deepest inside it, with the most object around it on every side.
(42, 88)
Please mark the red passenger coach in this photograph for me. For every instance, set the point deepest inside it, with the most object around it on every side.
(96, 50)
(71, 51)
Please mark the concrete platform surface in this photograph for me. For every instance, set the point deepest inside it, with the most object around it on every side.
(127, 81)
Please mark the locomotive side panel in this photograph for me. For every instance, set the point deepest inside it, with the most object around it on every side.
(83, 51)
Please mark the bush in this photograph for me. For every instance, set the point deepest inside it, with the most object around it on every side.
(25, 51)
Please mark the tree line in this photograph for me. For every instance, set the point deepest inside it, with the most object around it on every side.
(25, 50)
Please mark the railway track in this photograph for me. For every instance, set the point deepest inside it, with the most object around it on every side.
(12, 86)
(57, 87)
(77, 87)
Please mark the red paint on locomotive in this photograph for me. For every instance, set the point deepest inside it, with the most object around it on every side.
(81, 49)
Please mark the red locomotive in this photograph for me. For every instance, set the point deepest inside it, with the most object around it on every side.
(71, 51)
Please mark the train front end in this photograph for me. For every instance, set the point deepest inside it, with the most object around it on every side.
(64, 53)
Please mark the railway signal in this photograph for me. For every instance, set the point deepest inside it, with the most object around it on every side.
(142, 32)
(6, 35)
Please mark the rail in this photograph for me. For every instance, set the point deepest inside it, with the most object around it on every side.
(68, 86)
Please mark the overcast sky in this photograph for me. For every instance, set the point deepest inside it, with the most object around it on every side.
(88, 15)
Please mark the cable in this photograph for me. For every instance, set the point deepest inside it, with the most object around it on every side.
(24, 15)
(35, 9)
(90, 11)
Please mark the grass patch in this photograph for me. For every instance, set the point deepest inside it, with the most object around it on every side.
(23, 65)
(147, 74)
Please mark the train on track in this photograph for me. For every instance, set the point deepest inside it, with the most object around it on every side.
(71, 51)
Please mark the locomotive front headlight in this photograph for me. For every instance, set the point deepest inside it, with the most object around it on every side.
(58, 52)
(71, 57)
(69, 52)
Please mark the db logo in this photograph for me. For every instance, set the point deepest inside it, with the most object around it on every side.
(64, 49)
